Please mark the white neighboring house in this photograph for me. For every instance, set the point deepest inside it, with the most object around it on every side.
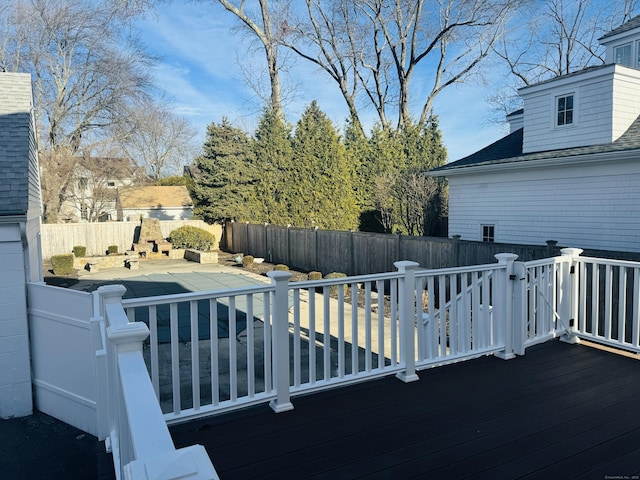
(92, 196)
(163, 203)
(20, 212)
(569, 170)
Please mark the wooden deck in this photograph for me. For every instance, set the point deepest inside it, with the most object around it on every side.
(561, 411)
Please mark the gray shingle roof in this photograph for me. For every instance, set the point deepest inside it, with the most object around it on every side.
(509, 150)
(630, 25)
(15, 134)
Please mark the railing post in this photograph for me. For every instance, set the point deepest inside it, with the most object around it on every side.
(568, 292)
(281, 367)
(407, 318)
(505, 313)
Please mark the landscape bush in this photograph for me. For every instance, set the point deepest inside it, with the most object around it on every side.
(333, 289)
(281, 267)
(79, 251)
(315, 275)
(247, 261)
(111, 249)
(192, 237)
(62, 264)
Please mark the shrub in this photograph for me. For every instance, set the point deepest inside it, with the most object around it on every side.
(315, 276)
(192, 237)
(112, 249)
(281, 267)
(247, 261)
(62, 264)
(79, 251)
(333, 289)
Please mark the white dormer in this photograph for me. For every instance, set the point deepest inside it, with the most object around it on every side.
(516, 120)
(591, 107)
(622, 45)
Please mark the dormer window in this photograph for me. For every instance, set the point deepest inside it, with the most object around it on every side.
(565, 110)
(622, 54)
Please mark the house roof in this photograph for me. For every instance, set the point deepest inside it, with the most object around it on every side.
(15, 135)
(625, 27)
(155, 197)
(509, 150)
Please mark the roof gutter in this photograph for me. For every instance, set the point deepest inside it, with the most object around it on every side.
(623, 155)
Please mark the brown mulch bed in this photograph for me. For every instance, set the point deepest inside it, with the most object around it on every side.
(226, 258)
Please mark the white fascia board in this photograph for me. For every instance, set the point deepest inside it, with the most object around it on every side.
(626, 155)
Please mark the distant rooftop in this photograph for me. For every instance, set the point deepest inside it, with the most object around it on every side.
(155, 197)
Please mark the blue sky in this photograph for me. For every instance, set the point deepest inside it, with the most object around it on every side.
(199, 70)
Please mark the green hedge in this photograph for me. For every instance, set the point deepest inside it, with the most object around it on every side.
(192, 237)
(79, 251)
(62, 264)
(111, 249)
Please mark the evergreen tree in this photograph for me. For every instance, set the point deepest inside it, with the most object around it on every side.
(274, 156)
(323, 187)
(224, 190)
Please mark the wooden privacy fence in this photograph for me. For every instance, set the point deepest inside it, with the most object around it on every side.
(363, 253)
(62, 237)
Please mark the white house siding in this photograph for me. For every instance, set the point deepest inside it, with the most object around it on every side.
(593, 206)
(592, 119)
(164, 213)
(15, 373)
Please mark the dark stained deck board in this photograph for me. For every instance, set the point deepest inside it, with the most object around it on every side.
(560, 411)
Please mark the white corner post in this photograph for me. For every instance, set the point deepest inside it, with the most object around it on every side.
(407, 319)
(505, 318)
(280, 325)
(140, 441)
(568, 301)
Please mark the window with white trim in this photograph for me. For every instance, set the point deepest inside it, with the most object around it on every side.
(622, 55)
(488, 233)
(564, 110)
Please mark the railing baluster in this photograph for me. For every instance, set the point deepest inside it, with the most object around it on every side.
(393, 300)
(341, 359)
(622, 303)
(175, 358)
(153, 349)
(268, 322)
(213, 347)
(195, 355)
(442, 319)
(326, 358)
(607, 302)
(312, 336)
(355, 308)
(296, 338)
(233, 350)
(367, 328)
(251, 368)
(380, 317)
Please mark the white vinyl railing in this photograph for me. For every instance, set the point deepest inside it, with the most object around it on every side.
(607, 302)
(136, 433)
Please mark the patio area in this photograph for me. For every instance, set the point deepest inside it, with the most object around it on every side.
(560, 411)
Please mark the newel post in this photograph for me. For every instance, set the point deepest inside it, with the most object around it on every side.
(505, 313)
(407, 319)
(280, 324)
(568, 293)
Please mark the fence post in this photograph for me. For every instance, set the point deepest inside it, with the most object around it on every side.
(505, 313)
(280, 325)
(568, 292)
(407, 318)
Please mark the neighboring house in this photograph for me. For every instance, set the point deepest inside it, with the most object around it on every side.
(570, 168)
(163, 203)
(20, 212)
(92, 196)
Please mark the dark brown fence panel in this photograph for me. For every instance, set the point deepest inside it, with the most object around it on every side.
(478, 253)
(429, 252)
(334, 251)
(302, 249)
(374, 252)
(256, 240)
(240, 238)
(277, 248)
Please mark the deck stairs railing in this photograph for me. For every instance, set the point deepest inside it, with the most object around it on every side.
(204, 353)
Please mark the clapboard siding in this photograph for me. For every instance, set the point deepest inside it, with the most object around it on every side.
(61, 238)
(596, 208)
(592, 118)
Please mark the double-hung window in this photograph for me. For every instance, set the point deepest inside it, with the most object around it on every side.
(564, 110)
(488, 233)
(622, 55)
